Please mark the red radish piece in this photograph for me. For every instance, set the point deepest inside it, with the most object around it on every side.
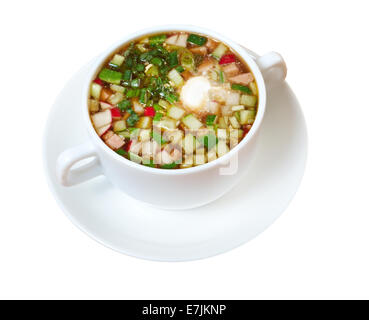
(115, 113)
(99, 81)
(102, 130)
(101, 119)
(149, 112)
(227, 58)
(105, 106)
(128, 145)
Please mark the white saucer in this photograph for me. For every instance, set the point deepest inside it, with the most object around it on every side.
(125, 225)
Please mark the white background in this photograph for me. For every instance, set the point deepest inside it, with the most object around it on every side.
(317, 249)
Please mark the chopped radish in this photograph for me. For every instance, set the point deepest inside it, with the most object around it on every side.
(115, 141)
(149, 112)
(102, 119)
(99, 81)
(105, 106)
(227, 58)
(115, 113)
(127, 147)
(102, 130)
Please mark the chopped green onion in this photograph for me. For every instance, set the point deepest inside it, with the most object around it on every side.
(158, 39)
(125, 104)
(157, 107)
(143, 96)
(135, 83)
(169, 166)
(132, 93)
(209, 140)
(140, 67)
(127, 75)
(157, 61)
(221, 76)
(157, 116)
(180, 69)
(122, 152)
(240, 87)
(132, 119)
(158, 137)
(173, 59)
(110, 76)
(210, 119)
(148, 164)
(196, 39)
(187, 60)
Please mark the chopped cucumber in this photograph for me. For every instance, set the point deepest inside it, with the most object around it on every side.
(219, 51)
(222, 148)
(189, 143)
(238, 108)
(116, 98)
(110, 76)
(117, 88)
(176, 112)
(253, 88)
(96, 90)
(144, 123)
(191, 122)
(175, 76)
(117, 60)
(249, 101)
(134, 157)
(167, 123)
(247, 116)
(93, 105)
(119, 126)
(125, 134)
(145, 135)
(234, 122)
(164, 104)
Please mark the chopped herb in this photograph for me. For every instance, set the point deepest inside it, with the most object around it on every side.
(210, 119)
(122, 152)
(169, 166)
(133, 118)
(123, 105)
(132, 93)
(157, 116)
(127, 75)
(158, 39)
(135, 83)
(180, 69)
(221, 76)
(242, 88)
(173, 59)
(208, 141)
(157, 61)
(195, 39)
(143, 96)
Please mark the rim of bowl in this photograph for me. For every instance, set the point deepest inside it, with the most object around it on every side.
(169, 28)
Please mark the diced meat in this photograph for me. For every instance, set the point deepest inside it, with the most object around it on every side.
(115, 141)
(105, 94)
(199, 50)
(211, 44)
(231, 70)
(186, 75)
(244, 78)
(107, 135)
(172, 40)
(182, 40)
(176, 154)
(205, 66)
(136, 147)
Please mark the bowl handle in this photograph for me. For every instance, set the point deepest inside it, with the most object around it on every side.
(68, 176)
(273, 67)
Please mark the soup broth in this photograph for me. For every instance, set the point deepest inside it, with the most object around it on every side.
(173, 100)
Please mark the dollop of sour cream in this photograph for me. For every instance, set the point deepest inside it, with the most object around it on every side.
(195, 94)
